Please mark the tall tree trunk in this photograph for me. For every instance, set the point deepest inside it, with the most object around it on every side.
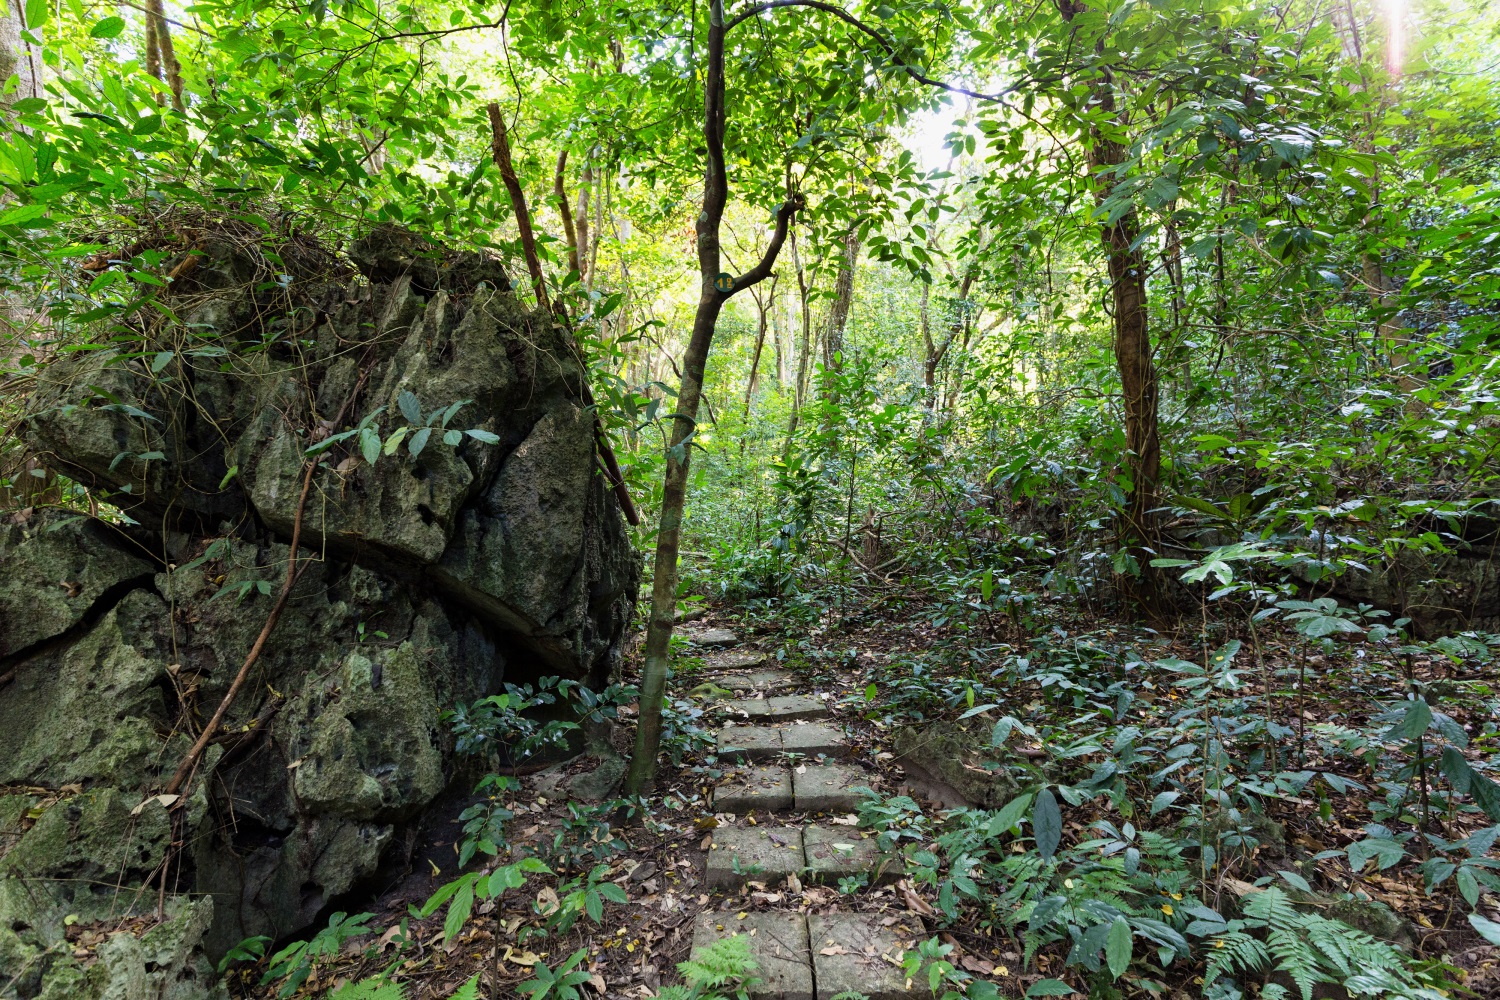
(843, 299)
(159, 37)
(1132, 340)
(711, 299)
(17, 57)
(763, 308)
(799, 390)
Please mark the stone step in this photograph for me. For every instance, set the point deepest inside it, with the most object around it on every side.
(763, 788)
(767, 681)
(819, 956)
(741, 854)
(766, 743)
(780, 708)
(710, 637)
(768, 854)
(854, 952)
(827, 788)
(755, 789)
(779, 944)
(735, 659)
(832, 853)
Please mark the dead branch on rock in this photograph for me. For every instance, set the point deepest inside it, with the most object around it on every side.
(185, 769)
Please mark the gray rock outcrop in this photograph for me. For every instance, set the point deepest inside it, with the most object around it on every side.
(431, 576)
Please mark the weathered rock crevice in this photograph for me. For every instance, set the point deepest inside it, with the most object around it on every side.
(433, 575)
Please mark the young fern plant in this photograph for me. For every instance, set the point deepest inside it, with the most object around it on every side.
(723, 970)
(1274, 936)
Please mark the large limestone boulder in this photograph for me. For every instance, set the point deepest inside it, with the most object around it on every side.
(431, 576)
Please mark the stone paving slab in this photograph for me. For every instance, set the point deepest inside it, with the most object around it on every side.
(749, 743)
(827, 787)
(765, 854)
(790, 708)
(760, 789)
(710, 637)
(840, 852)
(853, 952)
(814, 738)
(778, 942)
(734, 659)
(750, 708)
(766, 681)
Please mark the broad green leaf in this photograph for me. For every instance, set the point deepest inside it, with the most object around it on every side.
(1118, 947)
(109, 27)
(1046, 824)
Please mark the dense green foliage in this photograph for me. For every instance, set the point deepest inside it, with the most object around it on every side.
(926, 416)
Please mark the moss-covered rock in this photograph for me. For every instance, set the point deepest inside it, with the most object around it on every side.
(426, 579)
(955, 759)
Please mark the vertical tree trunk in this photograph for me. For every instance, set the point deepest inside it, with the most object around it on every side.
(799, 390)
(159, 36)
(763, 308)
(1132, 341)
(711, 299)
(843, 299)
(17, 57)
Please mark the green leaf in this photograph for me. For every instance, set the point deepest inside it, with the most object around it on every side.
(1414, 723)
(1295, 880)
(1050, 988)
(1010, 815)
(109, 27)
(37, 12)
(28, 105)
(419, 441)
(410, 408)
(452, 438)
(23, 213)
(459, 910)
(1488, 929)
(234, 470)
(479, 434)
(1046, 824)
(161, 361)
(1117, 947)
(369, 444)
(1468, 886)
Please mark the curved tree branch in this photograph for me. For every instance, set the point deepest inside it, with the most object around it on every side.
(885, 44)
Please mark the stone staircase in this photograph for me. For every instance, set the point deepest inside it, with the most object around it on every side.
(783, 812)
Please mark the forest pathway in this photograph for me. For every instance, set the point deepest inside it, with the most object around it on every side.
(784, 816)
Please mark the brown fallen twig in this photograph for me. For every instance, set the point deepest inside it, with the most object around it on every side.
(185, 769)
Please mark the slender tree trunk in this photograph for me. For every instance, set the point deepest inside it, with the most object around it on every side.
(560, 190)
(1132, 342)
(711, 299)
(843, 299)
(159, 35)
(586, 181)
(762, 315)
(799, 390)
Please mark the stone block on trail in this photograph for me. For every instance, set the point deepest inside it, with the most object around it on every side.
(853, 953)
(764, 854)
(766, 682)
(790, 708)
(749, 743)
(841, 852)
(813, 739)
(749, 708)
(827, 787)
(778, 942)
(734, 659)
(755, 789)
(710, 637)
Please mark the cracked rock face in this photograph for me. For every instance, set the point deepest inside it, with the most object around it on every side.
(432, 578)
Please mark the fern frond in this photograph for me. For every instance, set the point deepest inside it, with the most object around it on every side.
(469, 990)
(1234, 951)
(374, 988)
(726, 962)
